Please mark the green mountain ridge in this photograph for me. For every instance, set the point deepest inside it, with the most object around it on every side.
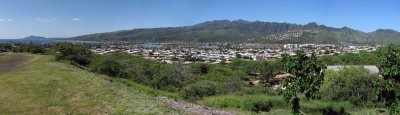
(247, 31)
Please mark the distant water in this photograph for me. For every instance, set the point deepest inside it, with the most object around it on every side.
(43, 41)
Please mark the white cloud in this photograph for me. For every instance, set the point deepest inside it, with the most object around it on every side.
(45, 19)
(6, 20)
(76, 19)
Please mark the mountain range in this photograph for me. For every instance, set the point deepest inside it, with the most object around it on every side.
(248, 31)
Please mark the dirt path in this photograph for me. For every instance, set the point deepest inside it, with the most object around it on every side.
(9, 63)
(191, 108)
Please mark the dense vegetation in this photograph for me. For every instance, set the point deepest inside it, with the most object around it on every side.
(390, 71)
(241, 30)
(225, 85)
(361, 58)
(353, 84)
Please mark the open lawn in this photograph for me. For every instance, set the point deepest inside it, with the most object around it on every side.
(37, 84)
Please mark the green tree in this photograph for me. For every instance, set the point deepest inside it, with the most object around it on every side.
(268, 69)
(307, 78)
(390, 70)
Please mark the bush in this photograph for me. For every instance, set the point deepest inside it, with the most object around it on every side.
(199, 68)
(76, 53)
(151, 73)
(353, 84)
(106, 65)
(31, 48)
(247, 66)
(258, 105)
(199, 90)
(232, 86)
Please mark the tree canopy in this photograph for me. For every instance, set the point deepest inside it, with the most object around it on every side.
(307, 77)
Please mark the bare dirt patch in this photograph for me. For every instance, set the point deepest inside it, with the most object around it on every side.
(11, 62)
(191, 108)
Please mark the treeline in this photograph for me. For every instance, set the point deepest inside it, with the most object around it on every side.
(28, 48)
(361, 58)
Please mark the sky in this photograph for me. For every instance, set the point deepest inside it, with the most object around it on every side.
(68, 18)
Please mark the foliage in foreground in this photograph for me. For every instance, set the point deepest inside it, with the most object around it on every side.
(390, 70)
(307, 78)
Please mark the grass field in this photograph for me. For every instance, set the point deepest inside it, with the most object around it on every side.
(41, 85)
(240, 104)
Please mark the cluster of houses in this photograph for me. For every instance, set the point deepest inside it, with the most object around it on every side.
(222, 53)
(288, 35)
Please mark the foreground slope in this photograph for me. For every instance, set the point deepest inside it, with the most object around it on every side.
(37, 84)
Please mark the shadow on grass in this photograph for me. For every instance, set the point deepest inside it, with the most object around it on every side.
(330, 111)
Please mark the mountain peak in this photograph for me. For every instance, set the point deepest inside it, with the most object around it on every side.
(386, 31)
(34, 37)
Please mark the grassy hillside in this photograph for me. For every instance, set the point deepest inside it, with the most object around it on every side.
(41, 85)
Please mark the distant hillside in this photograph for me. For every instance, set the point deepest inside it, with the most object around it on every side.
(246, 31)
(40, 38)
(34, 37)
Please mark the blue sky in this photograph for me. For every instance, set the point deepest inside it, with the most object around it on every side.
(67, 18)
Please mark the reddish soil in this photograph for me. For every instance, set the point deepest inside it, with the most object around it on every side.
(10, 63)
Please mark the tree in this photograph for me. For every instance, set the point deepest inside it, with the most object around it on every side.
(268, 69)
(307, 77)
(390, 70)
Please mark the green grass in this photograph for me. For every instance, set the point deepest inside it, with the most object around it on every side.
(241, 104)
(45, 86)
(147, 90)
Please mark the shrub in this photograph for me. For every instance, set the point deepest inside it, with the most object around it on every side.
(353, 84)
(106, 65)
(246, 66)
(199, 68)
(232, 86)
(76, 53)
(258, 105)
(199, 90)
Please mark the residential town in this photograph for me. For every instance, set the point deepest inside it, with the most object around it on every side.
(224, 52)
